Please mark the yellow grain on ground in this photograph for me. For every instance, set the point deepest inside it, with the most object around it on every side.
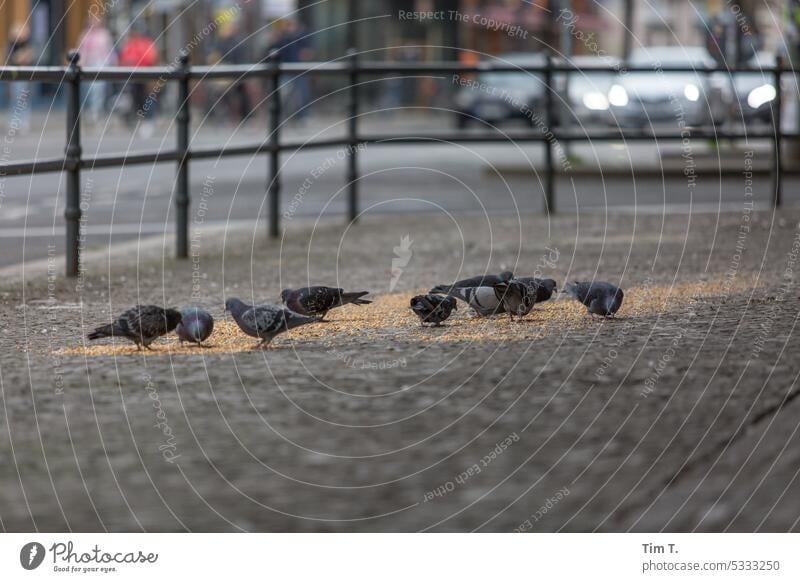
(389, 318)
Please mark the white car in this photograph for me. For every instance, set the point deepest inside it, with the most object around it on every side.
(755, 91)
(586, 91)
(658, 97)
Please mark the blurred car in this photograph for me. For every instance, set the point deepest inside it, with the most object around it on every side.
(755, 92)
(587, 91)
(639, 99)
(499, 97)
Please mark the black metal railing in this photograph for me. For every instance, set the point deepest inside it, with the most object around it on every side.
(351, 67)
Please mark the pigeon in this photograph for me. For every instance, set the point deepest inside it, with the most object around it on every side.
(195, 327)
(517, 297)
(141, 324)
(317, 301)
(477, 281)
(544, 287)
(265, 321)
(433, 308)
(599, 297)
(511, 297)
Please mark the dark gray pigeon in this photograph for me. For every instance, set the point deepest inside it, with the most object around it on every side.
(477, 281)
(433, 308)
(196, 325)
(141, 324)
(317, 301)
(511, 297)
(544, 287)
(599, 297)
(517, 297)
(265, 321)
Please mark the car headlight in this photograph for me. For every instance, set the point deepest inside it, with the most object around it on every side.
(618, 96)
(595, 101)
(761, 95)
(691, 92)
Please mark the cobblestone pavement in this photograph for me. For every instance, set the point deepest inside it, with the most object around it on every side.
(678, 415)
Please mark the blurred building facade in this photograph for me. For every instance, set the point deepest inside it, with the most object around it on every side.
(517, 25)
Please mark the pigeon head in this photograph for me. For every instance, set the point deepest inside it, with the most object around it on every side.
(550, 285)
(614, 302)
(571, 289)
(173, 317)
(506, 276)
(285, 295)
(545, 289)
(235, 305)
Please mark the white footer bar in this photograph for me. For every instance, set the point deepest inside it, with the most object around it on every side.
(401, 557)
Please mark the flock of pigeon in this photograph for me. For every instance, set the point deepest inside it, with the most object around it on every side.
(487, 295)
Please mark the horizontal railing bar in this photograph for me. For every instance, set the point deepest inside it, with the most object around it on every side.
(130, 73)
(58, 74)
(33, 73)
(29, 167)
(264, 147)
(32, 167)
(445, 67)
(132, 159)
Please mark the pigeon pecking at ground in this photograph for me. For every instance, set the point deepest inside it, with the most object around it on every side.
(544, 287)
(195, 327)
(599, 297)
(517, 297)
(477, 281)
(265, 321)
(317, 301)
(433, 308)
(141, 324)
(511, 297)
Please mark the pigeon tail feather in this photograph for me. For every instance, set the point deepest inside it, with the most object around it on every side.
(355, 298)
(101, 332)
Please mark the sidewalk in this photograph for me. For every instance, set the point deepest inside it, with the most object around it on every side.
(679, 415)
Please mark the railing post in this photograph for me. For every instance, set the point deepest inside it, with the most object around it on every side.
(352, 136)
(777, 157)
(72, 155)
(274, 184)
(549, 172)
(182, 178)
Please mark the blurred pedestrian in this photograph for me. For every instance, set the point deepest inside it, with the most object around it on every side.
(20, 54)
(96, 48)
(230, 48)
(139, 50)
(293, 46)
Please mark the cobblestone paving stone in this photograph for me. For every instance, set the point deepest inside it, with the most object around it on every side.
(678, 415)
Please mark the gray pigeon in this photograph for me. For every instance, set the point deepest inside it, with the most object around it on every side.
(141, 324)
(512, 297)
(599, 297)
(477, 281)
(264, 321)
(196, 326)
(517, 297)
(433, 308)
(317, 301)
(544, 287)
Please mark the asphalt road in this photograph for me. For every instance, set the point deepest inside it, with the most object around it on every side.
(133, 203)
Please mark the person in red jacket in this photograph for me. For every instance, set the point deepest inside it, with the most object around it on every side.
(139, 50)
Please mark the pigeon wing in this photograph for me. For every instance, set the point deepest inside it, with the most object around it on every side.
(320, 299)
(264, 319)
